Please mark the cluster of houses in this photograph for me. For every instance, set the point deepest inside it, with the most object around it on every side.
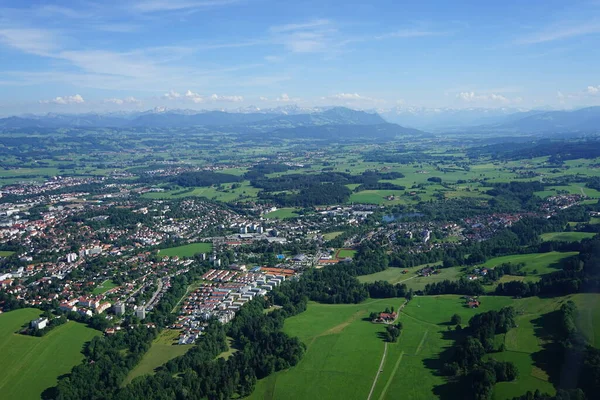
(86, 306)
(477, 273)
(220, 299)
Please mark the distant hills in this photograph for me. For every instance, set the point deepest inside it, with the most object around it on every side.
(305, 121)
(585, 120)
(336, 122)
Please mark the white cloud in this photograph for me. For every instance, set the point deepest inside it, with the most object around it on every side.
(263, 98)
(351, 98)
(472, 97)
(230, 99)
(195, 97)
(284, 98)
(75, 99)
(126, 100)
(171, 95)
(593, 89)
(560, 33)
(198, 98)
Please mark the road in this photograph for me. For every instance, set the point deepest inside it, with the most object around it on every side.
(378, 371)
(158, 289)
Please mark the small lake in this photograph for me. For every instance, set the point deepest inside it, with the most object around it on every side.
(392, 218)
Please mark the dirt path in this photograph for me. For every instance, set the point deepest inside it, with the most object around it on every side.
(378, 371)
(389, 382)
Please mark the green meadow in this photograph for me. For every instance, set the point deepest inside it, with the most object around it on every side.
(104, 287)
(188, 250)
(282, 213)
(566, 236)
(164, 348)
(30, 364)
(541, 263)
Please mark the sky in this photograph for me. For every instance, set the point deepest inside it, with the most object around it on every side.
(120, 55)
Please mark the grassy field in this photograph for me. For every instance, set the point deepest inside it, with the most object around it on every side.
(344, 253)
(344, 350)
(411, 279)
(104, 287)
(164, 348)
(588, 320)
(6, 253)
(567, 236)
(543, 263)
(30, 364)
(282, 213)
(332, 235)
(187, 250)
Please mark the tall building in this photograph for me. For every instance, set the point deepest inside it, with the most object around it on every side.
(140, 312)
(119, 308)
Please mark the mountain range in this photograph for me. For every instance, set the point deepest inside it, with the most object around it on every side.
(400, 120)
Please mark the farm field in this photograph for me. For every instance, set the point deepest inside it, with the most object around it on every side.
(567, 236)
(187, 250)
(282, 213)
(544, 263)
(164, 348)
(410, 278)
(377, 197)
(104, 287)
(335, 366)
(244, 192)
(31, 365)
(342, 357)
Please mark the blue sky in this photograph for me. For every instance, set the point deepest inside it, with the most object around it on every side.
(86, 55)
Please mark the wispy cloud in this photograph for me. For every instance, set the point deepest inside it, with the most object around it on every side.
(124, 101)
(150, 6)
(75, 99)
(411, 33)
(33, 41)
(473, 97)
(561, 33)
(351, 98)
(197, 98)
(301, 26)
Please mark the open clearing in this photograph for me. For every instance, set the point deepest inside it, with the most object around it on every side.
(104, 287)
(543, 263)
(282, 213)
(332, 235)
(6, 253)
(344, 350)
(567, 236)
(345, 253)
(31, 364)
(188, 250)
(164, 348)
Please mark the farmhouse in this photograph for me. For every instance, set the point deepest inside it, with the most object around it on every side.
(39, 323)
(386, 317)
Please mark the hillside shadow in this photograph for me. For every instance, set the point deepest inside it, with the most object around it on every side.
(550, 358)
(453, 387)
